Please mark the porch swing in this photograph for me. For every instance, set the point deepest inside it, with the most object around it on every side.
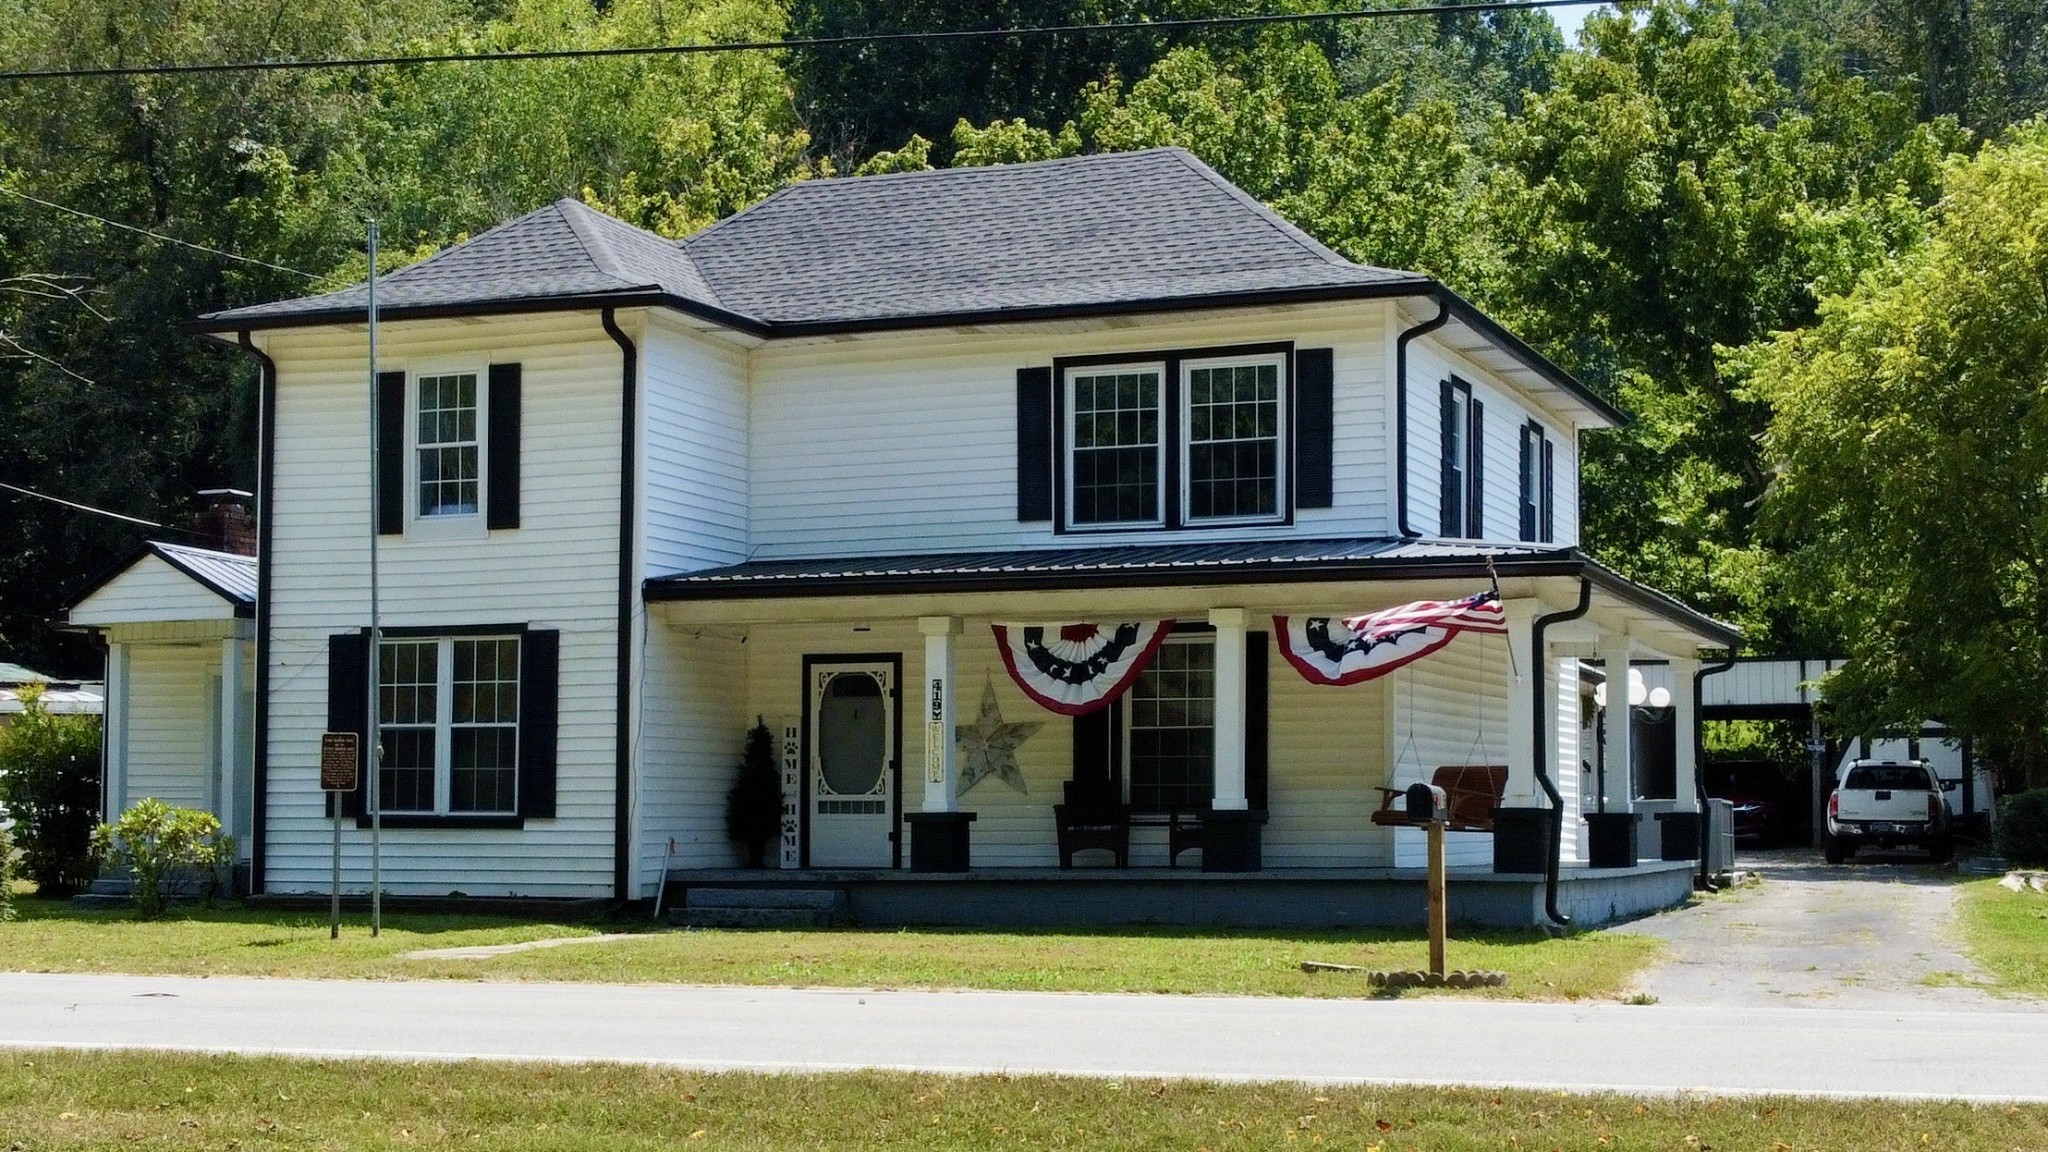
(1471, 791)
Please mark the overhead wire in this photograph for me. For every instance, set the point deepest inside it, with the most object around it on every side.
(193, 245)
(852, 40)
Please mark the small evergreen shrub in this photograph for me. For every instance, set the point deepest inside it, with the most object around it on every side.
(6, 875)
(153, 840)
(2023, 828)
(50, 785)
(753, 808)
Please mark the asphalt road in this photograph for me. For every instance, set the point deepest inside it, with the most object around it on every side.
(1589, 1047)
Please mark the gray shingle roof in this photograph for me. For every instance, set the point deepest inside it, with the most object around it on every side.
(226, 574)
(1115, 230)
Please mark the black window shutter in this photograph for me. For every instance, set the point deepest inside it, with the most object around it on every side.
(1314, 432)
(501, 487)
(1475, 504)
(1549, 494)
(1528, 502)
(1034, 444)
(1451, 498)
(539, 706)
(1256, 724)
(348, 687)
(390, 453)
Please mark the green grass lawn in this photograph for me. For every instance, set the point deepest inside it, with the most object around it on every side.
(146, 1100)
(54, 937)
(2007, 933)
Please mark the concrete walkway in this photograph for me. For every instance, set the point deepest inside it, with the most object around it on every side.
(1588, 1047)
(1877, 934)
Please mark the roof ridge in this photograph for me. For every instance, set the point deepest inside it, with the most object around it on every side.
(601, 255)
(1262, 210)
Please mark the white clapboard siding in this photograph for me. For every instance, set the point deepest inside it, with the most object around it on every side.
(170, 723)
(1429, 364)
(558, 570)
(908, 443)
(151, 590)
(693, 726)
(694, 450)
(1450, 708)
(1327, 759)
(1566, 756)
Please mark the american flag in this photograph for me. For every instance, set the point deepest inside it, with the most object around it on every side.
(1480, 612)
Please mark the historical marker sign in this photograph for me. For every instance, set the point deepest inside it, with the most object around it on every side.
(340, 754)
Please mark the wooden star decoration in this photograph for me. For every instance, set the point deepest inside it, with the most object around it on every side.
(988, 747)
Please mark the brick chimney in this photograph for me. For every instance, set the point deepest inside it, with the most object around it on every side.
(225, 522)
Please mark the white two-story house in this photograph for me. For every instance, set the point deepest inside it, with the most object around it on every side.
(992, 491)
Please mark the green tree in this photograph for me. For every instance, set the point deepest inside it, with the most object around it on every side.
(50, 786)
(1910, 438)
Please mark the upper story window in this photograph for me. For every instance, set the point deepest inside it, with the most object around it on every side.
(446, 444)
(1538, 503)
(1463, 440)
(1188, 440)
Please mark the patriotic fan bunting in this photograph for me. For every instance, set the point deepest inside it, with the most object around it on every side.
(1359, 648)
(1076, 668)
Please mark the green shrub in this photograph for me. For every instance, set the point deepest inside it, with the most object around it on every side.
(50, 783)
(2023, 828)
(6, 876)
(753, 808)
(154, 840)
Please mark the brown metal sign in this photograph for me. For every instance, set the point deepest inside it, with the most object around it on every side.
(340, 753)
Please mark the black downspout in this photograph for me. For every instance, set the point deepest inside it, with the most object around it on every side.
(1699, 760)
(1544, 717)
(622, 783)
(266, 457)
(1443, 316)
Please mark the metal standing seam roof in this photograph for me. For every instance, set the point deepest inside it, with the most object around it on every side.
(226, 574)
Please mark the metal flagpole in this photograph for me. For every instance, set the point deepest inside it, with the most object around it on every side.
(376, 655)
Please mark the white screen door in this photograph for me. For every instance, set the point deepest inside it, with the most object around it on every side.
(852, 756)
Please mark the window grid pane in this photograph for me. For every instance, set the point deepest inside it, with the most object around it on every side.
(1233, 442)
(484, 743)
(1172, 729)
(1115, 453)
(447, 445)
(408, 684)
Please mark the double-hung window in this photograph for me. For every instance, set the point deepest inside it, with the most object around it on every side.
(1188, 440)
(448, 710)
(1462, 437)
(1172, 728)
(447, 457)
(1539, 516)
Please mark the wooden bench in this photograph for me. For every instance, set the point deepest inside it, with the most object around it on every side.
(1183, 829)
(1471, 791)
(1094, 816)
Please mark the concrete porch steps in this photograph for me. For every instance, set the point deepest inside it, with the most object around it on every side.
(759, 908)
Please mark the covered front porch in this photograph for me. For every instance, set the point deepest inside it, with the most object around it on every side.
(924, 780)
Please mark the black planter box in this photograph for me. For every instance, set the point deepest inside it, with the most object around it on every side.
(938, 840)
(1521, 840)
(1611, 839)
(1679, 835)
(1233, 840)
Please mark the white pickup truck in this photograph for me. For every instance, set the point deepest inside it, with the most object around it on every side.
(1887, 803)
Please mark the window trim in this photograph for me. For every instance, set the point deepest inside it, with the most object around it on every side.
(1538, 485)
(1283, 488)
(454, 524)
(1068, 411)
(442, 816)
(1173, 427)
(1127, 769)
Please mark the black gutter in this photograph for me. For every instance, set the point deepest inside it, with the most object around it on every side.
(1533, 360)
(622, 781)
(1699, 759)
(266, 458)
(1544, 716)
(1443, 316)
(648, 297)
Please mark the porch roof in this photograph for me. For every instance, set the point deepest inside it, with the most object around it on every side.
(1284, 561)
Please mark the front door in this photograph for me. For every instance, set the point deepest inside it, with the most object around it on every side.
(851, 778)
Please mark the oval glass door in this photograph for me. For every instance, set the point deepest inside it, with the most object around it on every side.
(852, 765)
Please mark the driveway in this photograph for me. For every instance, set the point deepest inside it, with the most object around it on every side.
(1876, 934)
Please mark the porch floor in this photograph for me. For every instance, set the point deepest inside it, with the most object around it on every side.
(1274, 898)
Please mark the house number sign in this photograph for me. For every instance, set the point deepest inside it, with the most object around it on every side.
(935, 736)
(339, 755)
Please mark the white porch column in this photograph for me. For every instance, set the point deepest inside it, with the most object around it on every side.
(941, 775)
(114, 730)
(1231, 625)
(1685, 733)
(1524, 662)
(1616, 731)
(227, 804)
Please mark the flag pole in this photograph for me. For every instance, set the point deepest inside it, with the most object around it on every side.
(374, 661)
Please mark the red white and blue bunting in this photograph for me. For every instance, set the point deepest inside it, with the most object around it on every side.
(1076, 668)
(1355, 649)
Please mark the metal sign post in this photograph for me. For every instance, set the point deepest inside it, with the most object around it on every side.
(376, 653)
(339, 752)
(1438, 916)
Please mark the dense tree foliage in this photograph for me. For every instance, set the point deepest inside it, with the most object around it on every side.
(1648, 206)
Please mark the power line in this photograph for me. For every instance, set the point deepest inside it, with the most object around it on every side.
(156, 235)
(80, 507)
(874, 38)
